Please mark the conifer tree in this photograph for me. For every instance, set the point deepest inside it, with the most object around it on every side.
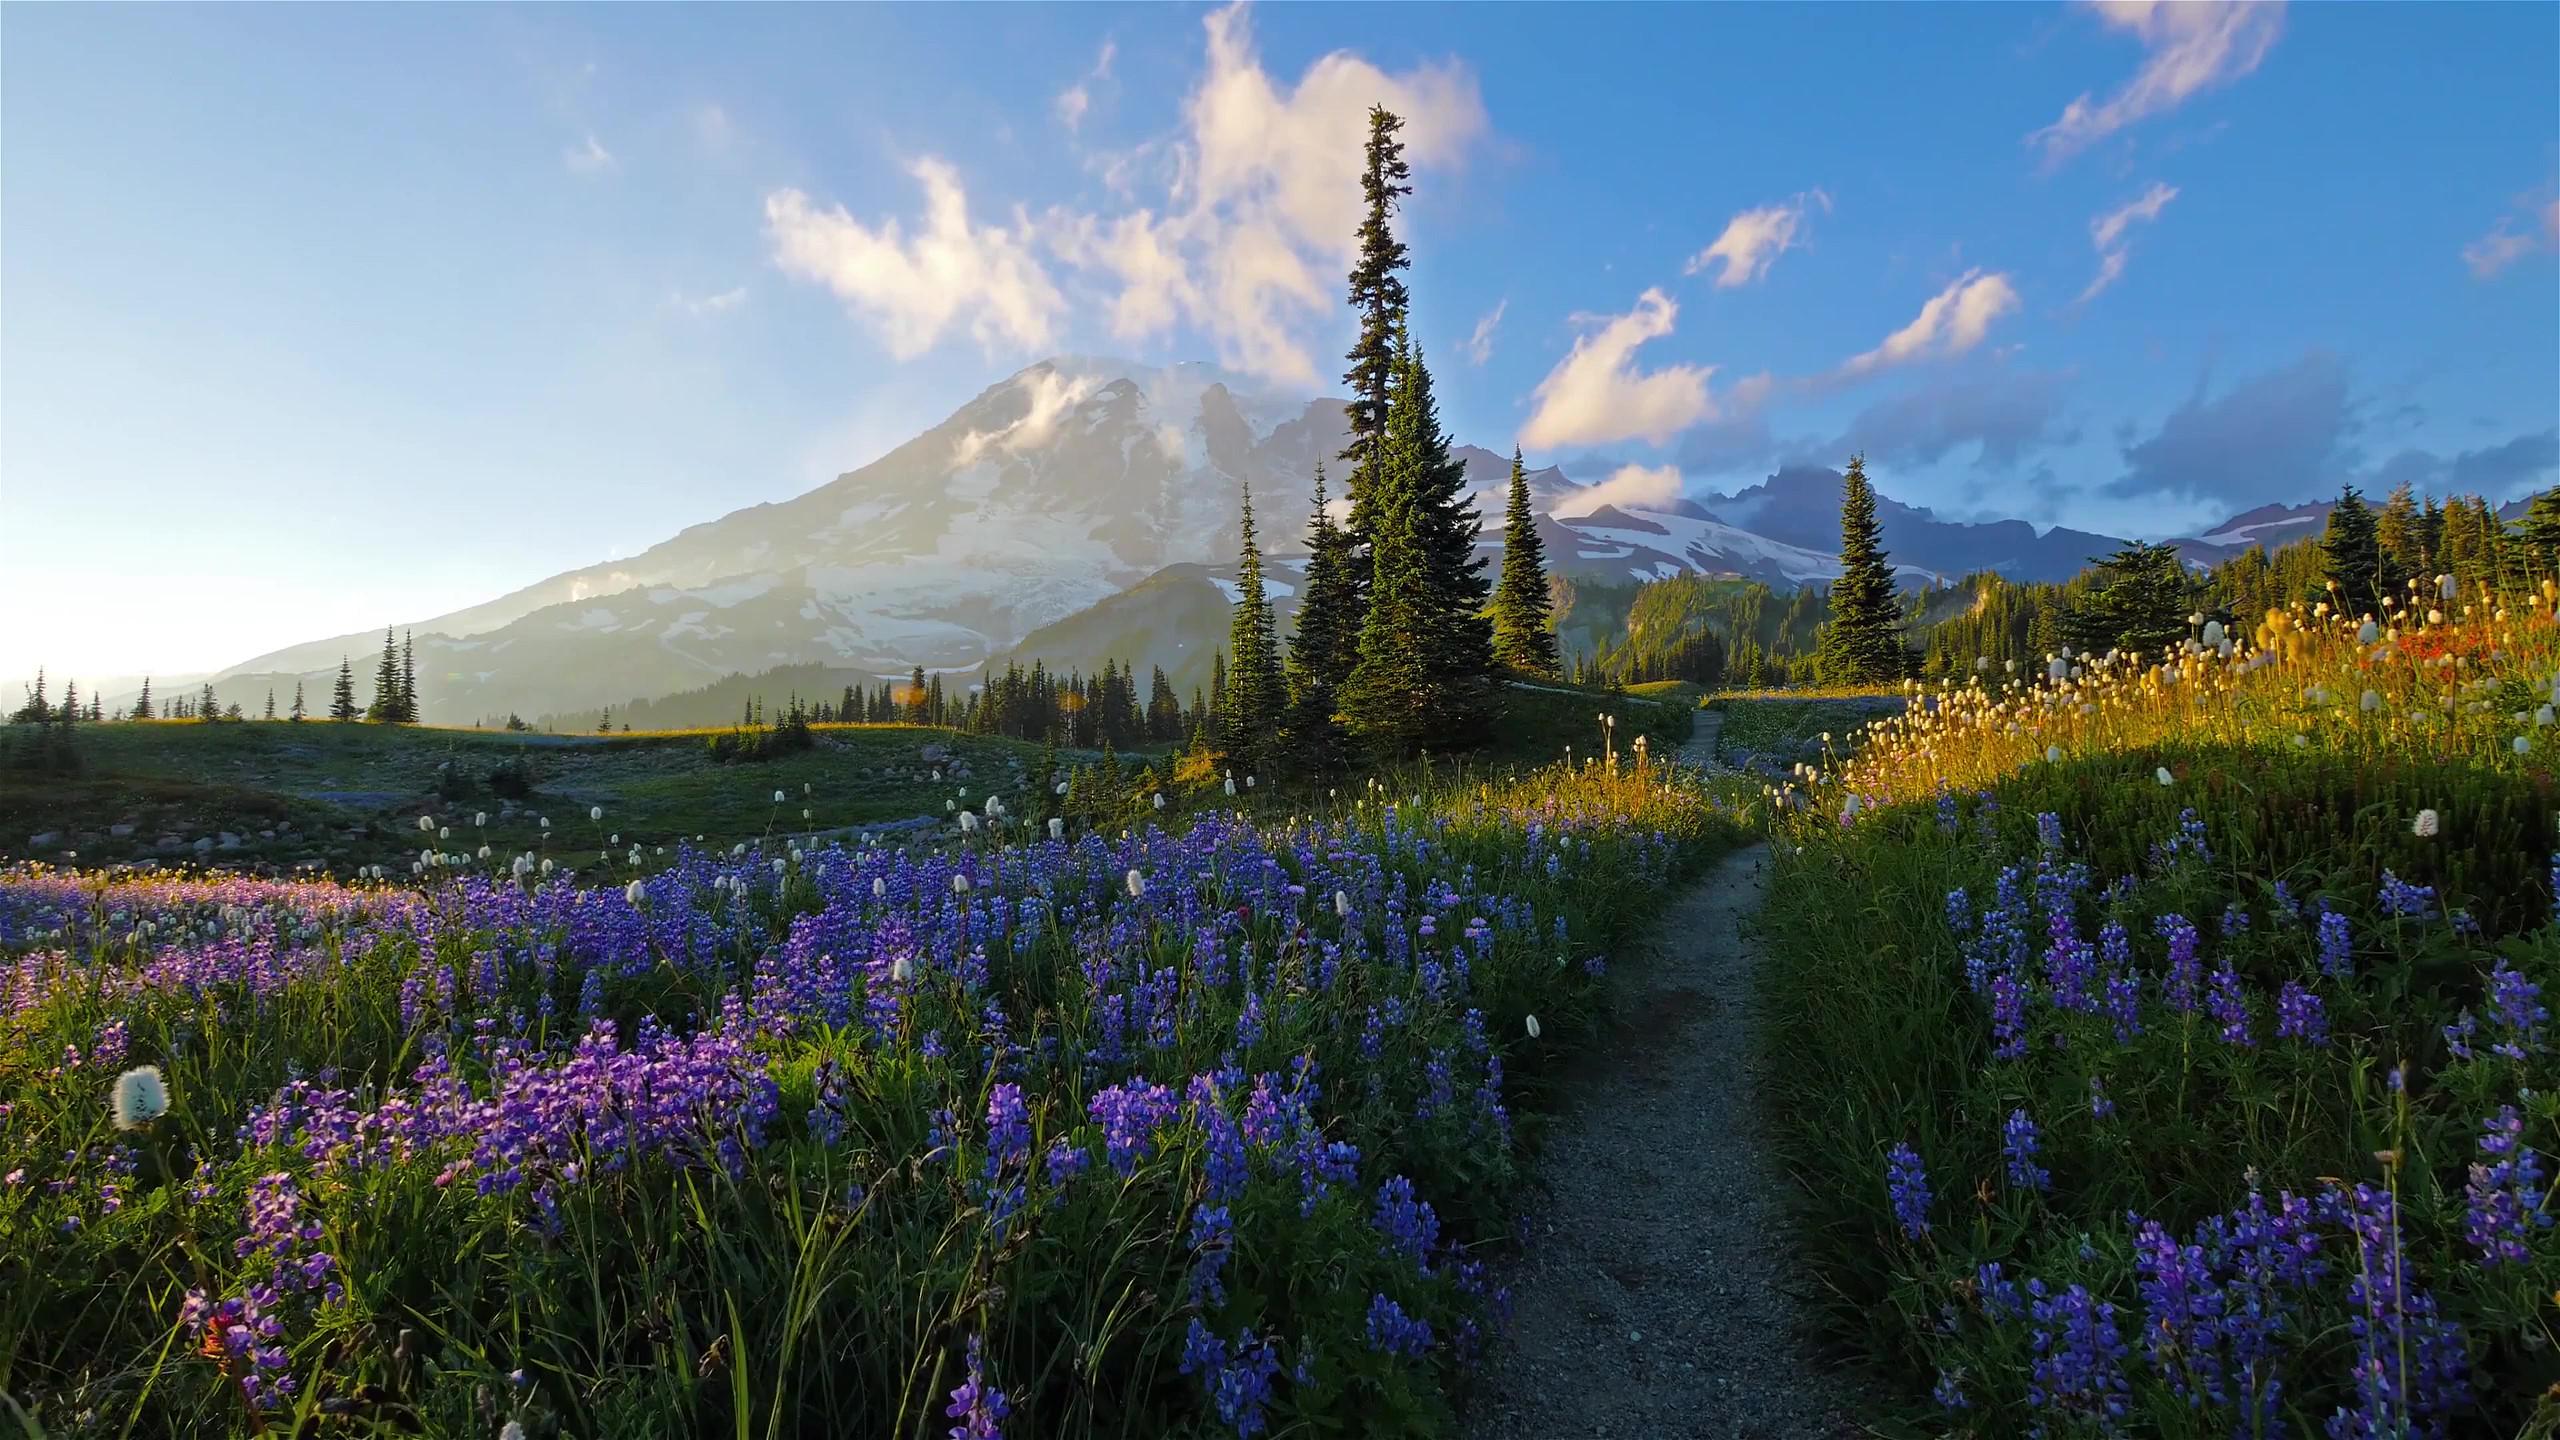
(69, 710)
(385, 705)
(2539, 534)
(142, 702)
(36, 710)
(298, 711)
(1251, 709)
(2398, 529)
(1387, 701)
(2351, 549)
(1164, 709)
(2140, 603)
(408, 677)
(1326, 643)
(1862, 644)
(271, 703)
(342, 700)
(1524, 636)
(1379, 300)
(1459, 638)
(1213, 717)
(207, 707)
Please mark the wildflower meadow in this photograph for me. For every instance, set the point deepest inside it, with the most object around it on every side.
(1192, 1128)
(2169, 1039)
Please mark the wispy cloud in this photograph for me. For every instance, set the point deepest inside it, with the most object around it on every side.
(1951, 323)
(914, 286)
(2504, 245)
(721, 303)
(1753, 240)
(589, 157)
(1596, 395)
(2107, 234)
(1478, 347)
(2194, 45)
(1076, 99)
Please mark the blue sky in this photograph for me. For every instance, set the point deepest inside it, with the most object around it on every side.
(320, 317)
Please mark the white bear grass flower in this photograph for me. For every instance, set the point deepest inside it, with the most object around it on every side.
(140, 1097)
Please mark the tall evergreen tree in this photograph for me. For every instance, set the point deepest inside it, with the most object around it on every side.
(342, 700)
(1254, 691)
(1326, 643)
(2141, 602)
(1388, 702)
(207, 707)
(298, 710)
(68, 711)
(2400, 530)
(1445, 527)
(2352, 549)
(1524, 635)
(37, 710)
(142, 702)
(2540, 531)
(1862, 644)
(271, 703)
(1164, 709)
(385, 705)
(408, 677)
(1379, 300)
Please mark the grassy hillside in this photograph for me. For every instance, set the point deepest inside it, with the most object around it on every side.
(348, 795)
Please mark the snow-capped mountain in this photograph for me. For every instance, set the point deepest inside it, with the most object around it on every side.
(1049, 494)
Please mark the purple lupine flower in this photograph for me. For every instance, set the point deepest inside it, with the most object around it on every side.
(2300, 1015)
(2505, 1192)
(1008, 1129)
(2018, 1145)
(2124, 1005)
(2235, 920)
(2049, 830)
(1407, 1224)
(2407, 901)
(1241, 1391)
(979, 1407)
(1959, 911)
(1907, 1186)
(2008, 1017)
(1997, 1292)
(2337, 945)
(1947, 818)
(2100, 1106)
(1949, 1392)
(2457, 1036)
(2412, 1366)
(1393, 1332)
(2183, 1308)
(2515, 1003)
(2186, 973)
(2078, 1374)
(2229, 1008)
(1130, 1114)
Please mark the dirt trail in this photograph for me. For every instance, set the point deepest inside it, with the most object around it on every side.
(1653, 1301)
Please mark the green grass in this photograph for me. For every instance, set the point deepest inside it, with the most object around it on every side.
(351, 794)
(1539, 721)
(1784, 723)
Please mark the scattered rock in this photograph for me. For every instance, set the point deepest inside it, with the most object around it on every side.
(229, 841)
(934, 752)
(120, 831)
(204, 845)
(45, 841)
(171, 842)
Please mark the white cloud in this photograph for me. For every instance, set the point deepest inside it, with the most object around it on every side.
(1646, 487)
(1595, 394)
(1478, 346)
(589, 157)
(1263, 198)
(1072, 103)
(2194, 45)
(914, 287)
(713, 304)
(1753, 240)
(1953, 322)
(1260, 198)
(2504, 245)
(2106, 232)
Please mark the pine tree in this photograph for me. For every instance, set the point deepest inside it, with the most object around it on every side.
(271, 703)
(69, 710)
(36, 710)
(408, 677)
(342, 700)
(208, 708)
(1379, 299)
(1214, 717)
(2140, 603)
(2540, 531)
(1253, 696)
(385, 706)
(1459, 640)
(1326, 642)
(1387, 702)
(142, 703)
(1164, 709)
(1862, 644)
(298, 711)
(2398, 529)
(1524, 635)
(2352, 551)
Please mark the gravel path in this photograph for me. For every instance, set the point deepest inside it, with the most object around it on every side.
(1653, 1300)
